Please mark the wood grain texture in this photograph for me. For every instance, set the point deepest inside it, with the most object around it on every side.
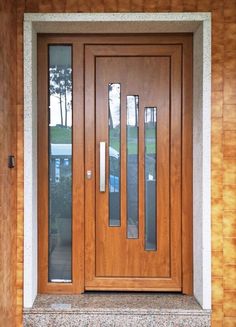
(126, 258)
(229, 321)
(8, 223)
(229, 119)
(76, 285)
(217, 290)
(230, 11)
(229, 277)
(229, 163)
(217, 104)
(20, 160)
(220, 99)
(229, 223)
(229, 303)
(217, 263)
(90, 280)
(217, 313)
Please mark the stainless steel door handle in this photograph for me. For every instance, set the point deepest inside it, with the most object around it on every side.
(102, 186)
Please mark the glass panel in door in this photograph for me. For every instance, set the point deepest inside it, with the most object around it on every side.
(132, 165)
(60, 163)
(114, 153)
(150, 133)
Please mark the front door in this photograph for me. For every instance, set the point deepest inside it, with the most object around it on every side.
(133, 223)
(116, 210)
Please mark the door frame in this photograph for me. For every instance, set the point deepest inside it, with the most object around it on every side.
(200, 25)
(83, 196)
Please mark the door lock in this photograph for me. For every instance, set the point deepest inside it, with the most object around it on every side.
(89, 174)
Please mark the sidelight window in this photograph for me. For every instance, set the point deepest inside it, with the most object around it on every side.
(60, 163)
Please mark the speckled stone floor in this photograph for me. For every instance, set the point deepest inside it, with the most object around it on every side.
(116, 309)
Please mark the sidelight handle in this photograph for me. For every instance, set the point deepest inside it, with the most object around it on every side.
(102, 167)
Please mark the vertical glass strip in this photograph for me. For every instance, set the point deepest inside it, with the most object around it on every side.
(132, 165)
(60, 163)
(150, 127)
(114, 153)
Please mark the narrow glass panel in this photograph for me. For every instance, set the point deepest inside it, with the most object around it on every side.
(150, 178)
(132, 165)
(114, 153)
(60, 163)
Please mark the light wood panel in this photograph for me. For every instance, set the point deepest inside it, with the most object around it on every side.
(221, 38)
(20, 160)
(187, 123)
(229, 164)
(115, 255)
(77, 221)
(8, 223)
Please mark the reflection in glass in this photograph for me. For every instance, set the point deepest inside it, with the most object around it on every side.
(150, 177)
(60, 163)
(114, 153)
(132, 165)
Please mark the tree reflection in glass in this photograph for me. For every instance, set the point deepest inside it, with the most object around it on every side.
(150, 127)
(132, 165)
(60, 163)
(114, 153)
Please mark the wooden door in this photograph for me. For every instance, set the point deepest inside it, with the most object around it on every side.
(133, 113)
(131, 108)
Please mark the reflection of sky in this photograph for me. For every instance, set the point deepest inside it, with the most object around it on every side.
(60, 68)
(150, 115)
(132, 106)
(114, 103)
(55, 115)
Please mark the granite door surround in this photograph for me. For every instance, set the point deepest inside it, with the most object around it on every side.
(197, 23)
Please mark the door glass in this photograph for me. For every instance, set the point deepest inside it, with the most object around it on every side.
(60, 163)
(132, 165)
(114, 153)
(150, 177)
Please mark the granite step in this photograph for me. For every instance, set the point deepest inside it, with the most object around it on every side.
(116, 309)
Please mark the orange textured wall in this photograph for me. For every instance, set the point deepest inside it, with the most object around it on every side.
(223, 131)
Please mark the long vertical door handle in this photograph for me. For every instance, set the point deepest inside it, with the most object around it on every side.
(102, 167)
